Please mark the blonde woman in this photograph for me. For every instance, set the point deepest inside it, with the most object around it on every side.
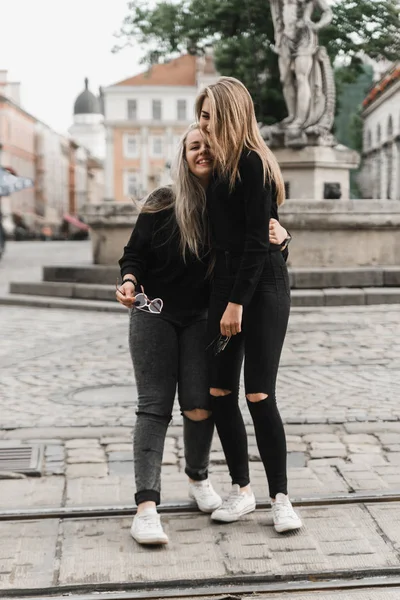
(250, 298)
(164, 279)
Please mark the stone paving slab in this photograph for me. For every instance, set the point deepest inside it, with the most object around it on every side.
(102, 551)
(31, 493)
(27, 553)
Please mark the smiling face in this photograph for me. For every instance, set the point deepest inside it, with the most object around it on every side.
(204, 118)
(198, 156)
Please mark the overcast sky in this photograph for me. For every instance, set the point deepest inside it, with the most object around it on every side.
(50, 46)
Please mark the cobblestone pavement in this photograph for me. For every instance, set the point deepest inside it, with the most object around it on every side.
(61, 367)
(66, 382)
(66, 378)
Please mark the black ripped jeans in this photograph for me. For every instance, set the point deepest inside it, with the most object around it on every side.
(168, 353)
(260, 343)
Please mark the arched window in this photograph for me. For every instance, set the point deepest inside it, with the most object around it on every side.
(390, 127)
(369, 139)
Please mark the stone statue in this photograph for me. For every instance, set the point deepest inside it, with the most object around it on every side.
(306, 74)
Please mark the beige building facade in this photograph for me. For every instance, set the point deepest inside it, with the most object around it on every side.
(145, 116)
(17, 139)
(65, 173)
(380, 176)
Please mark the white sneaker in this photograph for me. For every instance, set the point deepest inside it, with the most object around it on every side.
(283, 515)
(204, 495)
(235, 506)
(147, 529)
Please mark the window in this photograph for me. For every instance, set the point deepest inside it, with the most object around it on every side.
(132, 110)
(131, 184)
(390, 127)
(131, 146)
(157, 113)
(181, 107)
(157, 146)
(369, 139)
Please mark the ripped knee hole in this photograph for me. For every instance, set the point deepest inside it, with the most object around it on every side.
(217, 392)
(256, 397)
(197, 414)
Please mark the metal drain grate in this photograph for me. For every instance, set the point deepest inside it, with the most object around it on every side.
(22, 459)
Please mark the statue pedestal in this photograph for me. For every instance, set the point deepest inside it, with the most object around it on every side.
(317, 172)
(111, 224)
(353, 233)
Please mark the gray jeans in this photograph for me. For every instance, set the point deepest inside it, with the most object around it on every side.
(166, 354)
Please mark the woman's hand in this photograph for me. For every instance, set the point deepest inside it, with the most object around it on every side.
(277, 233)
(125, 294)
(231, 322)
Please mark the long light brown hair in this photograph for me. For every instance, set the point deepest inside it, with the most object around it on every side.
(233, 127)
(187, 198)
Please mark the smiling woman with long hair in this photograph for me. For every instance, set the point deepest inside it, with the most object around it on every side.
(164, 280)
(250, 299)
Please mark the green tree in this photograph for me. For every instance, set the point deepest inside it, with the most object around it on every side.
(241, 33)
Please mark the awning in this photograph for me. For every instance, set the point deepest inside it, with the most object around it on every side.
(11, 183)
(76, 222)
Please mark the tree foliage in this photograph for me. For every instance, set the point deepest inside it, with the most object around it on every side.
(241, 32)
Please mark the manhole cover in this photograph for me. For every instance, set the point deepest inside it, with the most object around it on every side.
(22, 459)
(105, 395)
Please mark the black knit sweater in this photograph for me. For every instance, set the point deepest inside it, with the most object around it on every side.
(239, 222)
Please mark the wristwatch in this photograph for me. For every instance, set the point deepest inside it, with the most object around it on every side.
(286, 242)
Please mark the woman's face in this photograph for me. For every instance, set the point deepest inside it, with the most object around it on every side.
(204, 120)
(198, 155)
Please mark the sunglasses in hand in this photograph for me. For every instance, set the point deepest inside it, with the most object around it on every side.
(143, 302)
(219, 344)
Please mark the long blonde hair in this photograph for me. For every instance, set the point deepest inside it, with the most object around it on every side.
(233, 127)
(188, 200)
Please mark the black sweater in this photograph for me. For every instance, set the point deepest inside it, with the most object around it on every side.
(239, 222)
(154, 256)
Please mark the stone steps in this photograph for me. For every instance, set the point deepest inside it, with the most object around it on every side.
(57, 302)
(64, 289)
(92, 287)
(300, 278)
(97, 274)
(103, 295)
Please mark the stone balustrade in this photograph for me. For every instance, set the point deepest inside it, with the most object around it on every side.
(327, 233)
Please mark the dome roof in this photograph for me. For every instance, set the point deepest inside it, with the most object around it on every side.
(87, 103)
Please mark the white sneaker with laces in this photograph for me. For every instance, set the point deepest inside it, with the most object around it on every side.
(203, 493)
(236, 505)
(283, 515)
(147, 529)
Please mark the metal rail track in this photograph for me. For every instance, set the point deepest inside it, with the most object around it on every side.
(236, 588)
(85, 512)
